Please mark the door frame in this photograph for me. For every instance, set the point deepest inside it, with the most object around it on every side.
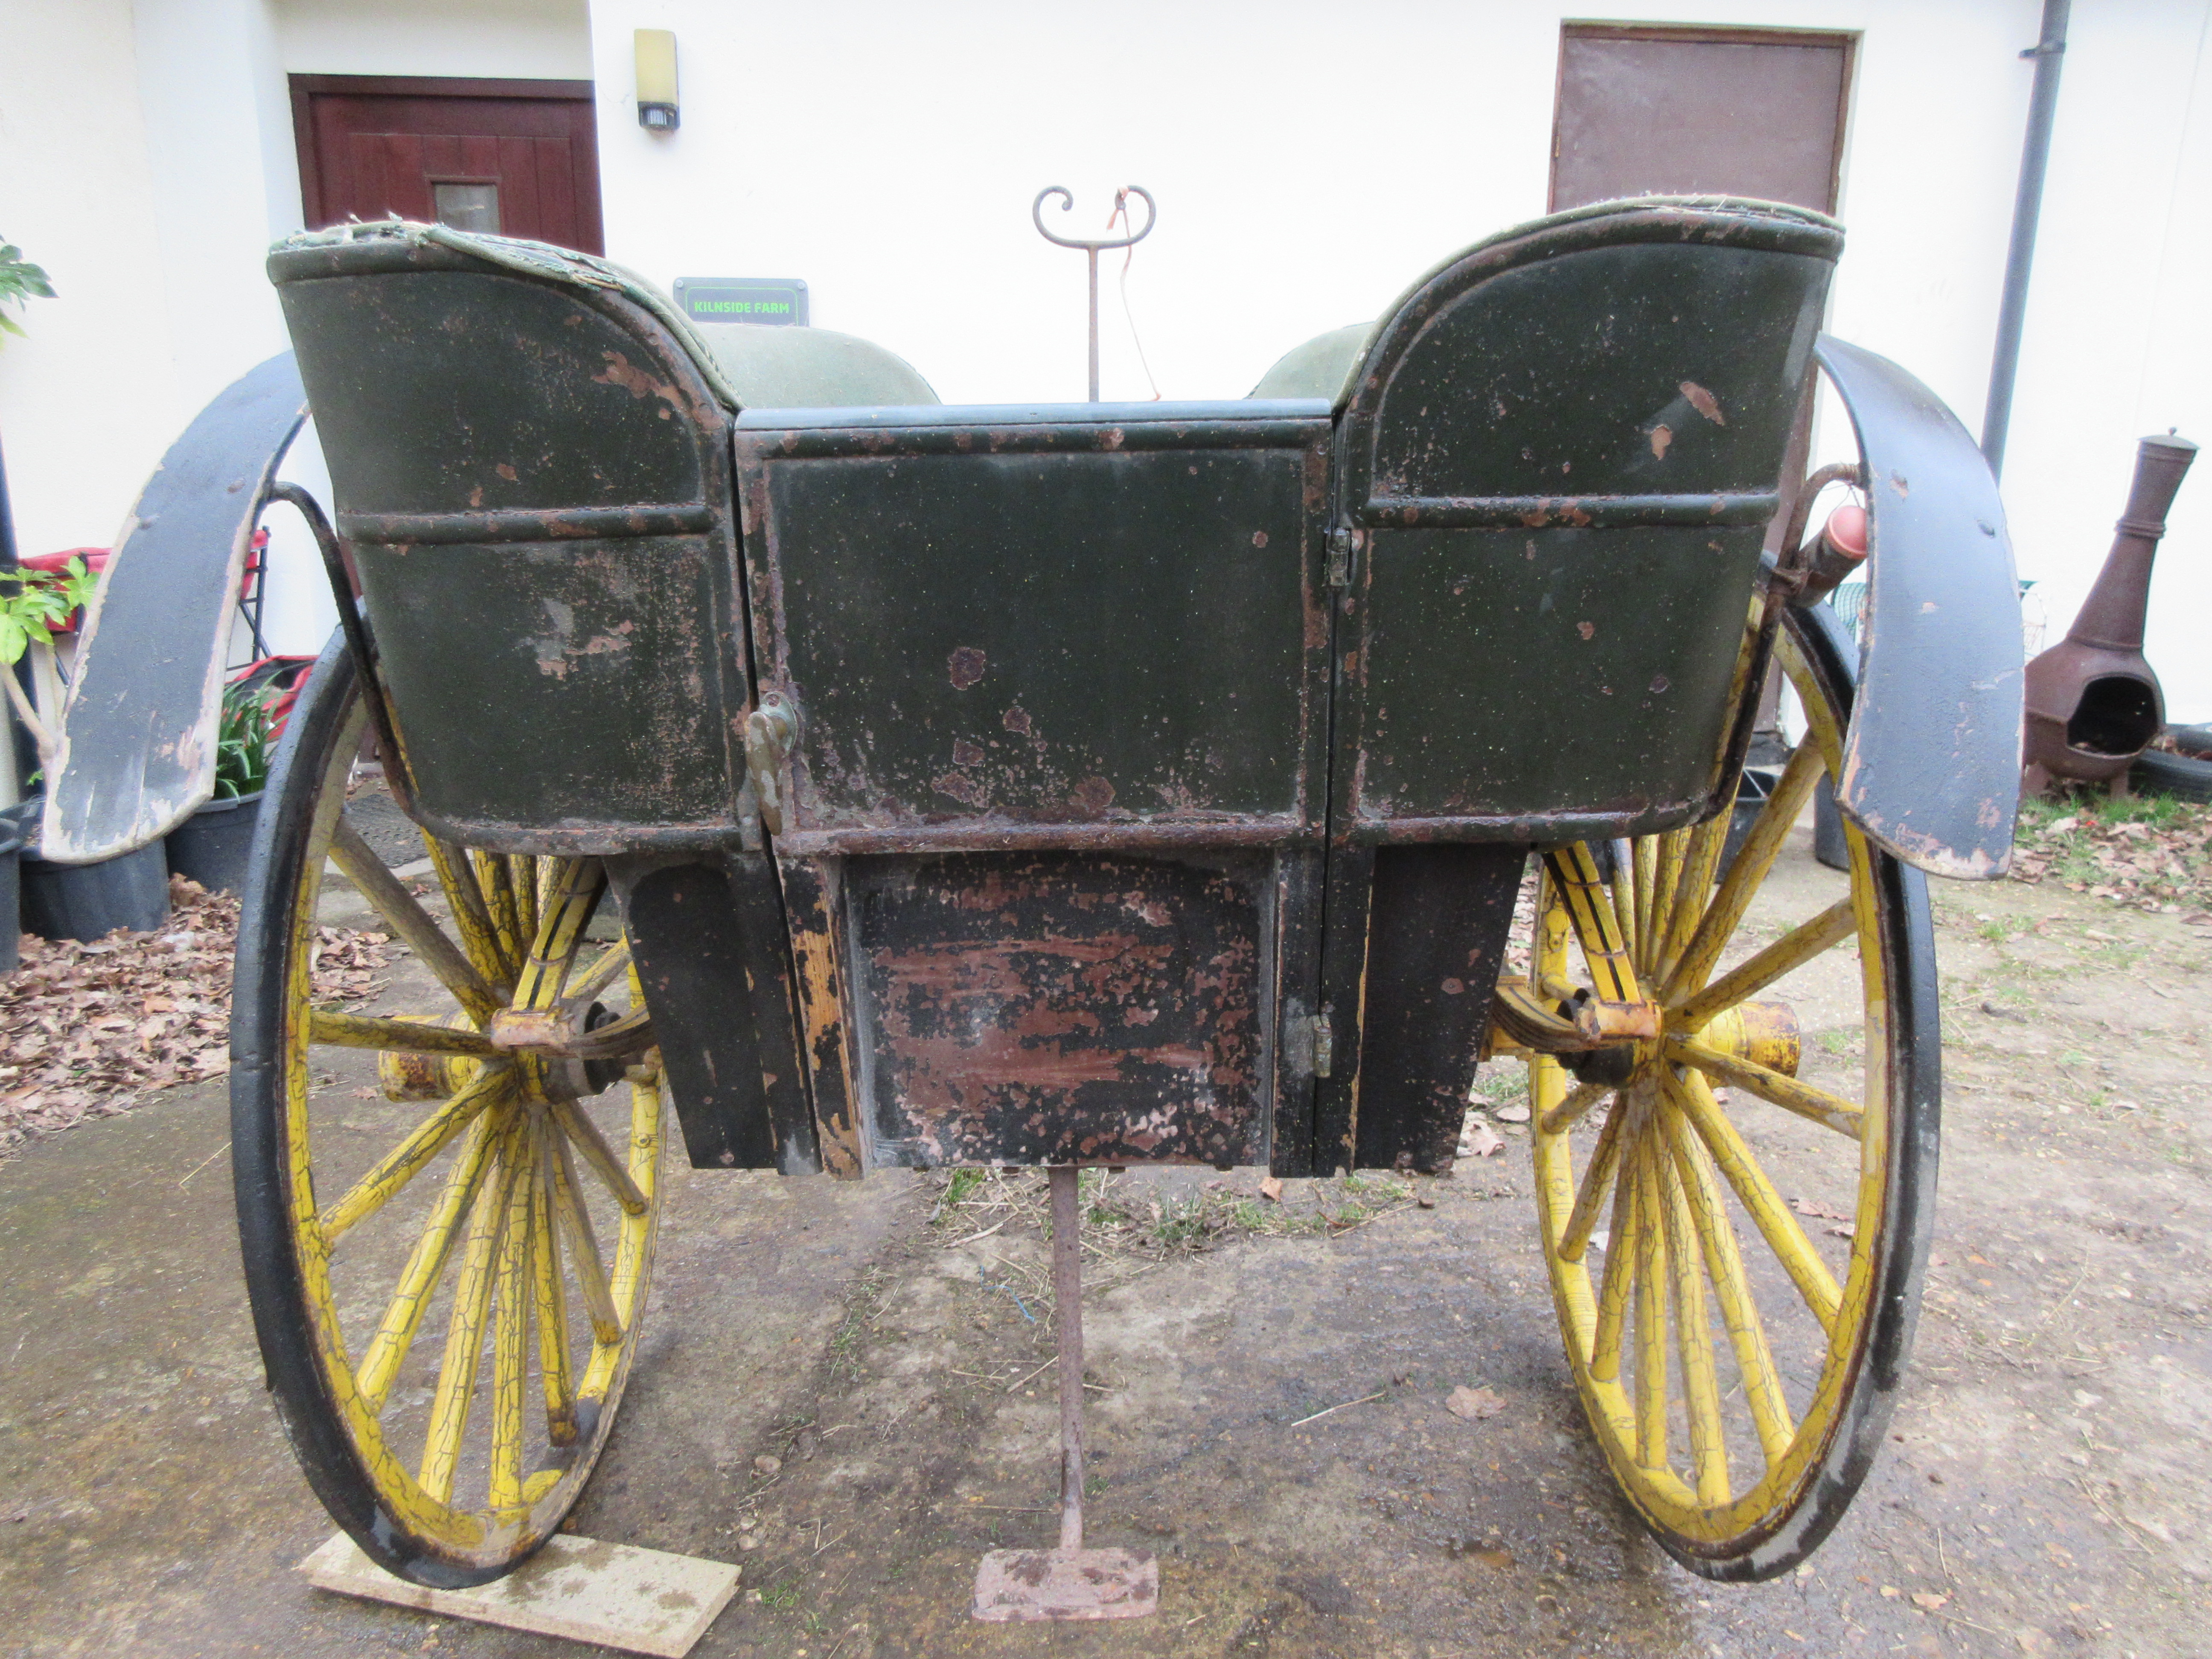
(1723, 35)
(305, 87)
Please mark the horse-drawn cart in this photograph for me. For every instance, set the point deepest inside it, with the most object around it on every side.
(1105, 784)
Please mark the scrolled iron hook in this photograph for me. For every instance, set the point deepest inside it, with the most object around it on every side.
(1089, 244)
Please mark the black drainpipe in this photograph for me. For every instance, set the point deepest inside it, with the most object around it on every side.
(2043, 106)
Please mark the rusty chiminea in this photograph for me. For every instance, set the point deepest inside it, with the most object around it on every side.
(2093, 703)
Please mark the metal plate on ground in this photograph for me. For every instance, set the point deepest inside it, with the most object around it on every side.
(1025, 1586)
(635, 1600)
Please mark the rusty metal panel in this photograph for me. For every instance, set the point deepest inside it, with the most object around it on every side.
(812, 900)
(1082, 626)
(1556, 469)
(1438, 917)
(1503, 678)
(1063, 1007)
(708, 942)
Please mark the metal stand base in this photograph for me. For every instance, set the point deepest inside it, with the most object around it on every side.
(1070, 1582)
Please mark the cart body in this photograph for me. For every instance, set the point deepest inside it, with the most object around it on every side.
(1072, 783)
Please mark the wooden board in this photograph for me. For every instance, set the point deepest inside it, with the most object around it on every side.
(138, 734)
(635, 1599)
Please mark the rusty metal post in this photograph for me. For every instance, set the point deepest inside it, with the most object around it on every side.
(1069, 1582)
(1092, 245)
(1067, 1303)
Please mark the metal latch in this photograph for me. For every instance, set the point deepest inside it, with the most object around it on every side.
(1340, 564)
(770, 731)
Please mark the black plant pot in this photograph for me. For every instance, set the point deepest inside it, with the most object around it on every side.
(1828, 843)
(88, 901)
(11, 888)
(211, 846)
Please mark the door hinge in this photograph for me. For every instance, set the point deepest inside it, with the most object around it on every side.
(769, 733)
(1339, 573)
(1324, 1044)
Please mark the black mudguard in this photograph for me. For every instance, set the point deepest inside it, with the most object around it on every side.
(1931, 762)
(137, 740)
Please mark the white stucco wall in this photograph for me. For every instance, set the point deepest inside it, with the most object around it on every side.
(147, 160)
(87, 398)
(1310, 159)
(528, 39)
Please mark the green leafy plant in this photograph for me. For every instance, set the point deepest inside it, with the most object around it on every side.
(19, 280)
(32, 604)
(242, 744)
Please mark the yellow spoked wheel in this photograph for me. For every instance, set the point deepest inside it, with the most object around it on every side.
(446, 1269)
(1734, 1093)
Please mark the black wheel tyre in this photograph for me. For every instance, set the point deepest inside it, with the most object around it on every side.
(1834, 1377)
(354, 1454)
(2155, 772)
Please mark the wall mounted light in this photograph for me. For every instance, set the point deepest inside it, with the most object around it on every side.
(656, 80)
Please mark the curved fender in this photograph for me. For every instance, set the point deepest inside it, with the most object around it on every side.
(1931, 762)
(137, 741)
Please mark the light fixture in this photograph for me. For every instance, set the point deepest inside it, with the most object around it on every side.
(656, 80)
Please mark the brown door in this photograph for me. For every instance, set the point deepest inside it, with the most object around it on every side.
(519, 158)
(1683, 111)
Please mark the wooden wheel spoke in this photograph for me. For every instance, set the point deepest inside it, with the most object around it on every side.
(1694, 1336)
(465, 1328)
(555, 1370)
(1829, 1110)
(397, 1036)
(613, 962)
(1597, 1181)
(574, 897)
(1701, 858)
(403, 1315)
(1760, 1201)
(1596, 926)
(495, 881)
(1570, 1111)
(1650, 1269)
(522, 877)
(1746, 875)
(1616, 1284)
(1666, 879)
(583, 1244)
(1624, 892)
(407, 1160)
(1739, 1310)
(415, 925)
(584, 1134)
(512, 1295)
(1786, 955)
(472, 915)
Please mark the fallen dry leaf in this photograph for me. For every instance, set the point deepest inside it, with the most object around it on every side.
(1510, 1114)
(1475, 1404)
(1818, 1211)
(87, 1030)
(1271, 1188)
(1929, 1600)
(1483, 1141)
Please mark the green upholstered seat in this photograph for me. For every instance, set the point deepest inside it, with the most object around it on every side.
(809, 368)
(1318, 369)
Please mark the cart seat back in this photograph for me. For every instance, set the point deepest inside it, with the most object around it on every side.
(1557, 460)
(530, 456)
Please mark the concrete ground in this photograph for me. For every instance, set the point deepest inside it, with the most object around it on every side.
(2046, 1489)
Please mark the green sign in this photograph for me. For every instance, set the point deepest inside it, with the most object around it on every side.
(776, 302)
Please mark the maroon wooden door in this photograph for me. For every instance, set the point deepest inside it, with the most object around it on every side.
(519, 158)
